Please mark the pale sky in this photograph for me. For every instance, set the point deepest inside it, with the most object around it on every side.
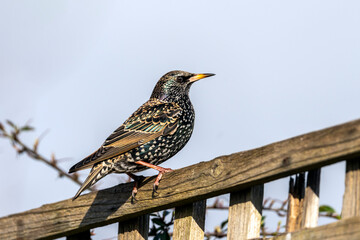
(77, 70)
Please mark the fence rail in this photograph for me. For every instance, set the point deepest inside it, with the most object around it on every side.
(238, 173)
(344, 229)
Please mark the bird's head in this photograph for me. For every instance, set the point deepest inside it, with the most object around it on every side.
(175, 84)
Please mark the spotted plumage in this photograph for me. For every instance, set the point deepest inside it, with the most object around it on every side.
(152, 134)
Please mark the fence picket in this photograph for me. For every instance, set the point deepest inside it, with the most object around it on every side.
(351, 202)
(134, 229)
(311, 200)
(189, 221)
(245, 213)
(295, 203)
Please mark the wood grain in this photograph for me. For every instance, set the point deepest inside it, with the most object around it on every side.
(190, 221)
(245, 213)
(295, 203)
(134, 229)
(197, 182)
(347, 229)
(311, 200)
(351, 202)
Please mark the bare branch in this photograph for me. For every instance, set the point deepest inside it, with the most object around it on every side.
(20, 147)
(268, 205)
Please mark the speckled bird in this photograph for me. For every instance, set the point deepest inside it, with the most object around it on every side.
(152, 134)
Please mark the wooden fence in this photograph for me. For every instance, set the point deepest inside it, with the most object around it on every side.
(241, 174)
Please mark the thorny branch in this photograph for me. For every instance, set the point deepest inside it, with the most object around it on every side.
(32, 152)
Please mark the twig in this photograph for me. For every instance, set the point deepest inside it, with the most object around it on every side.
(215, 234)
(21, 147)
(281, 211)
(224, 234)
(268, 205)
(218, 204)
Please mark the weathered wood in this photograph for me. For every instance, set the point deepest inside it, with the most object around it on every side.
(245, 211)
(189, 221)
(80, 236)
(295, 203)
(134, 229)
(201, 181)
(311, 199)
(351, 202)
(347, 229)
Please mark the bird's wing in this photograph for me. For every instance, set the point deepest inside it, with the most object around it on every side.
(151, 120)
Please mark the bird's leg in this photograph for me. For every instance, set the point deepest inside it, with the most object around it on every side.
(160, 169)
(137, 180)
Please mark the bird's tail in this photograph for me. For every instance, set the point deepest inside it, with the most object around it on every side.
(97, 172)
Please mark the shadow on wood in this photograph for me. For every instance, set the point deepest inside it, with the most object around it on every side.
(108, 201)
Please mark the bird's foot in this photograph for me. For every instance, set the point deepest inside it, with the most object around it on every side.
(159, 176)
(160, 169)
(137, 181)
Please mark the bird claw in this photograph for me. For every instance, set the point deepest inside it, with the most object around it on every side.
(159, 176)
(133, 193)
(155, 187)
(168, 170)
(137, 181)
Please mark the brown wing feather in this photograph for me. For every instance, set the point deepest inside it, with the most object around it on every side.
(151, 120)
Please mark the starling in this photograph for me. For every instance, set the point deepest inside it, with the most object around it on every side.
(152, 134)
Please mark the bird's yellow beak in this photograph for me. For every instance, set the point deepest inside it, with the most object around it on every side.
(200, 76)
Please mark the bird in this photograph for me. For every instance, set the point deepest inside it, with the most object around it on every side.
(155, 132)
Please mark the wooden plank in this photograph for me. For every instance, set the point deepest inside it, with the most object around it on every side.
(295, 203)
(189, 221)
(347, 229)
(134, 229)
(351, 202)
(201, 181)
(245, 213)
(311, 199)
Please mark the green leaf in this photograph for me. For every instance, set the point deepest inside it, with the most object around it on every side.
(165, 236)
(326, 208)
(11, 124)
(165, 213)
(158, 221)
(223, 224)
(26, 128)
(262, 222)
(162, 236)
(153, 231)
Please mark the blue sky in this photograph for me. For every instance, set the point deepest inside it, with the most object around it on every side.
(77, 70)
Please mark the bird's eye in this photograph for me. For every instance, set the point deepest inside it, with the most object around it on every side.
(180, 79)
